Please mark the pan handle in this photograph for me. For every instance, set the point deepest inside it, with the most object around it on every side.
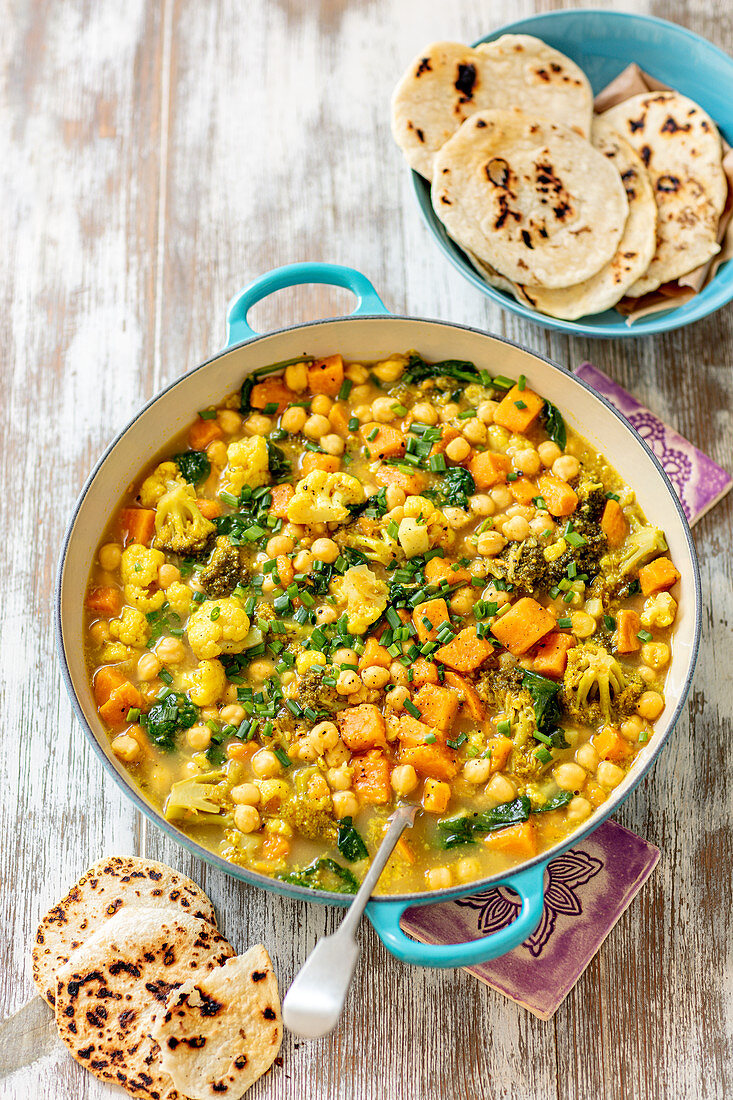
(239, 330)
(385, 916)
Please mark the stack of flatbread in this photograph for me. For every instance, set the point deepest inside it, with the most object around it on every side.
(147, 994)
(568, 211)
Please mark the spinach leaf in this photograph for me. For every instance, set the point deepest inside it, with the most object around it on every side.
(166, 717)
(461, 369)
(324, 874)
(349, 842)
(544, 698)
(555, 803)
(555, 425)
(457, 486)
(194, 466)
(278, 464)
(463, 828)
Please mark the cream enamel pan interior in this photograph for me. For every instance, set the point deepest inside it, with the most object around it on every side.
(365, 338)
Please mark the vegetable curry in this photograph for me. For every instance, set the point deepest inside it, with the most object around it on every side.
(353, 584)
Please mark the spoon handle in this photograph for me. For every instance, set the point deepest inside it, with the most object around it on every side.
(314, 1001)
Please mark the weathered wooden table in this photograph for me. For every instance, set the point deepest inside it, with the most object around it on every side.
(155, 157)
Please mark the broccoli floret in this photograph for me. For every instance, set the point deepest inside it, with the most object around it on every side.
(314, 693)
(224, 570)
(179, 525)
(194, 466)
(311, 821)
(639, 548)
(596, 688)
(165, 719)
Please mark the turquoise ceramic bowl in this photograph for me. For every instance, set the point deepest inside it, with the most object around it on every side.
(603, 43)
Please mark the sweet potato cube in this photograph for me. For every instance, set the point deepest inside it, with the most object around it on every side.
(106, 600)
(362, 727)
(371, 778)
(523, 625)
(339, 418)
(658, 576)
(610, 745)
(551, 655)
(326, 375)
(447, 435)
(442, 569)
(434, 612)
(410, 484)
(517, 841)
(523, 490)
(466, 652)
(628, 625)
(202, 432)
(275, 848)
(374, 654)
(438, 706)
(436, 761)
(613, 523)
(489, 468)
(281, 497)
(311, 460)
(107, 680)
(209, 509)
(518, 409)
(423, 671)
(501, 750)
(413, 732)
(560, 499)
(114, 712)
(272, 391)
(467, 694)
(435, 796)
(137, 525)
(382, 440)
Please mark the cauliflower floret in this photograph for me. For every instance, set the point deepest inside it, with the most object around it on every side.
(179, 525)
(218, 626)
(139, 573)
(324, 498)
(659, 611)
(115, 652)
(179, 597)
(249, 464)
(131, 628)
(207, 683)
(440, 533)
(364, 595)
(164, 477)
(414, 537)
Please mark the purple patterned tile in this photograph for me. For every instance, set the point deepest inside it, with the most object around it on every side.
(586, 891)
(698, 481)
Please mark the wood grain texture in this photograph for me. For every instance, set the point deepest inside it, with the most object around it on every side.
(157, 156)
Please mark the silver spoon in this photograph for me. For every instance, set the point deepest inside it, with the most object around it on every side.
(314, 1001)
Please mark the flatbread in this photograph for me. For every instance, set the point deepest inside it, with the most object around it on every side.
(448, 82)
(681, 148)
(105, 888)
(220, 1032)
(530, 198)
(106, 994)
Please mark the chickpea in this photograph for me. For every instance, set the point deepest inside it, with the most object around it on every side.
(233, 714)
(516, 529)
(217, 454)
(499, 438)
(474, 430)
(229, 421)
(486, 411)
(303, 561)
(492, 594)
(587, 757)
(293, 420)
(456, 518)
(490, 543)
(269, 584)
(481, 504)
(258, 425)
(148, 666)
(394, 496)
(362, 394)
(375, 677)
(348, 683)
(245, 794)
(500, 788)
(397, 514)
(477, 771)
(631, 728)
(321, 404)
(594, 608)
(170, 651)
(650, 705)
(582, 625)
(265, 764)
(345, 804)
(425, 414)
(126, 748)
(326, 615)
(316, 426)
(647, 674)
(333, 444)
(655, 654)
(362, 412)
(324, 736)
(296, 377)
(325, 550)
(541, 524)
(549, 452)
(438, 878)
(389, 371)
(339, 778)
(501, 497)
(383, 409)
(168, 575)
(247, 819)
(404, 779)
(448, 412)
(527, 462)
(566, 467)
(355, 372)
(468, 869)
(609, 775)
(279, 544)
(397, 697)
(458, 449)
(345, 656)
(462, 601)
(293, 530)
(570, 777)
(579, 808)
(109, 556)
(398, 674)
(199, 738)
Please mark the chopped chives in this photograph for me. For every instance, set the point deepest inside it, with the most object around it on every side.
(399, 409)
(229, 499)
(282, 756)
(644, 636)
(502, 382)
(521, 404)
(644, 736)
(165, 676)
(565, 623)
(543, 755)
(429, 739)
(133, 714)
(207, 414)
(412, 709)
(456, 742)
(373, 435)
(353, 424)
(521, 382)
(504, 727)
(437, 464)
(346, 387)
